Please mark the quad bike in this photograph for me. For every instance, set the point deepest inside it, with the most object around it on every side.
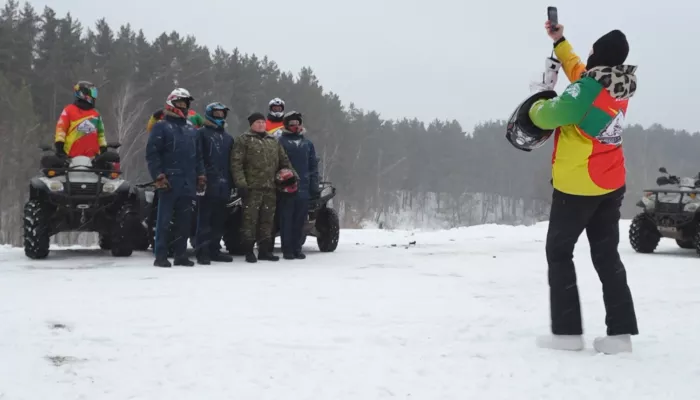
(80, 195)
(672, 213)
(149, 198)
(322, 222)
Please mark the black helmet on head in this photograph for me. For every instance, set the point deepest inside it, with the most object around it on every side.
(292, 116)
(520, 131)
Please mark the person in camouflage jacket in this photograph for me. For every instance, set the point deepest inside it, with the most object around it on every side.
(255, 159)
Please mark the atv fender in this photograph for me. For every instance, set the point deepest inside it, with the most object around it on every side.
(36, 186)
(125, 188)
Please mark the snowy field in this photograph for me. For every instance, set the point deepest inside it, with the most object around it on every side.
(453, 316)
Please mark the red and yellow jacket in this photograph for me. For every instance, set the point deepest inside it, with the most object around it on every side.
(272, 126)
(588, 120)
(81, 131)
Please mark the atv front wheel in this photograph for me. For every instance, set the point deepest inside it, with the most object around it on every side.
(233, 243)
(643, 235)
(105, 242)
(685, 244)
(36, 230)
(328, 228)
(696, 239)
(123, 231)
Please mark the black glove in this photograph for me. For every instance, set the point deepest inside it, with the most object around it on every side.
(242, 192)
(103, 149)
(59, 149)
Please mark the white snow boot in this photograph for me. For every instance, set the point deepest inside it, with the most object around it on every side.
(613, 344)
(561, 342)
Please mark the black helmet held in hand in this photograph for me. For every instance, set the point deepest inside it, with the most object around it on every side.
(520, 131)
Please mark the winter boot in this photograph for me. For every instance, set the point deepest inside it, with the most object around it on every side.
(183, 261)
(264, 252)
(613, 344)
(218, 257)
(162, 262)
(249, 254)
(288, 256)
(299, 255)
(203, 258)
(561, 342)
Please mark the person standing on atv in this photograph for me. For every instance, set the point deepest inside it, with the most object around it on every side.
(80, 130)
(192, 116)
(255, 160)
(216, 145)
(275, 115)
(588, 176)
(293, 208)
(175, 163)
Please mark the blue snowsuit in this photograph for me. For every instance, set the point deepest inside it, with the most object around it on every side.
(173, 150)
(216, 145)
(293, 209)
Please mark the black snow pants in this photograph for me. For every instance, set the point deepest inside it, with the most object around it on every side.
(599, 216)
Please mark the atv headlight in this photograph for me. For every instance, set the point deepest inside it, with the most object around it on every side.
(55, 186)
(648, 201)
(52, 185)
(691, 207)
(111, 187)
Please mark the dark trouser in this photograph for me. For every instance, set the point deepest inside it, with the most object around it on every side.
(259, 216)
(292, 211)
(211, 217)
(599, 216)
(172, 204)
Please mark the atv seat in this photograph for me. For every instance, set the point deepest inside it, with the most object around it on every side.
(52, 161)
(107, 161)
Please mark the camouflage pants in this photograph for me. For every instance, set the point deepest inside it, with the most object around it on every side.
(259, 216)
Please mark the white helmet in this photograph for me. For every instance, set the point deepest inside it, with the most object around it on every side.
(175, 95)
(179, 94)
(276, 102)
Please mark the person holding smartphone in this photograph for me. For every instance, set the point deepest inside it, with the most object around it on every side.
(588, 176)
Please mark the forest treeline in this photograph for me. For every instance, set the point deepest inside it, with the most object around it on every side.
(379, 166)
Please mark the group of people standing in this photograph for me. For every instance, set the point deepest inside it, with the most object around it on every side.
(273, 167)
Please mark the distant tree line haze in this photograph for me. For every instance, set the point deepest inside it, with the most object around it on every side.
(388, 173)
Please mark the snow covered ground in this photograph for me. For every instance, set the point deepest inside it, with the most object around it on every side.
(452, 317)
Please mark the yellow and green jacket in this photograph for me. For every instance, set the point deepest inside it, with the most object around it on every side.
(192, 116)
(588, 119)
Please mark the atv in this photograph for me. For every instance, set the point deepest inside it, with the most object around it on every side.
(322, 222)
(149, 199)
(80, 195)
(671, 213)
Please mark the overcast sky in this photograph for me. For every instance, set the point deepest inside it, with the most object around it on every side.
(450, 59)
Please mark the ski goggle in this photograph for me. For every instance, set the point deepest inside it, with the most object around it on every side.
(88, 91)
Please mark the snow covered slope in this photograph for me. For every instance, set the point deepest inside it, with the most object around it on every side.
(452, 317)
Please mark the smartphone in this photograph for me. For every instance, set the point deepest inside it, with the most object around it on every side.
(553, 18)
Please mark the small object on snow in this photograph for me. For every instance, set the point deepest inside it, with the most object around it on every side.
(413, 243)
(393, 245)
